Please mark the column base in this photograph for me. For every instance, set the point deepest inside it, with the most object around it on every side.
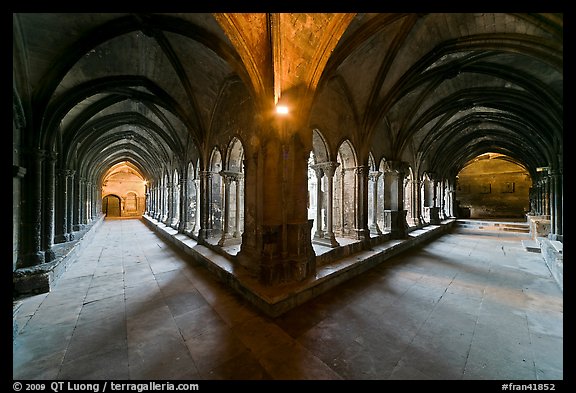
(395, 221)
(435, 215)
(275, 262)
(225, 236)
(375, 230)
(31, 259)
(329, 240)
(362, 234)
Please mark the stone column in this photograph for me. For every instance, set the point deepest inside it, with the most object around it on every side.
(342, 201)
(32, 225)
(238, 180)
(170, 201)
(277, 243)
(18, 174)
(151, 199)
(157, 201)
(205, 205)
(197, 223)
(435, 209)
(182, 202)
(79, 202)
(61, 232)
(394, 213)
(538, 192)
(88, 204)
(177, 200)
(374, 228)
(362, 231)
(70, 204)
(97, 200)
(160, 197)
(227, 177)
(329, 170)
(62, 206)
(416, 203)
(162, 202)
(440, 202)
(49, 209)
(556, 199)
(319, 224)
(546, 181)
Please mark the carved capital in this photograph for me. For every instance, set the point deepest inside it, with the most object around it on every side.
(329, 168)
(374, 175)
(361, 170)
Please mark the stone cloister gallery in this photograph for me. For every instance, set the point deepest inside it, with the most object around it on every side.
(268, 137)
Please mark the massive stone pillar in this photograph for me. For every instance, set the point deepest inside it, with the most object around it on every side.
(556, 202)
(49, 208)
(276, 243)
(32, 220)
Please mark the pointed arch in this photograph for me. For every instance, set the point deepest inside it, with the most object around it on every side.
(232, 177)
(345, 190)
(215, 193)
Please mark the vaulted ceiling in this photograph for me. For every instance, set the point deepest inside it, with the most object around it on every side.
(105, 88)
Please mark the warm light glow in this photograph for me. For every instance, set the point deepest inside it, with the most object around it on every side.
(282, 109)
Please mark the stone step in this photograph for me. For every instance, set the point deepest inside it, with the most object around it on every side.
(531, 245)
(558, 246)
(507, 226)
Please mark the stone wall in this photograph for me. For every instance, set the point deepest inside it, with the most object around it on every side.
(130, 189)
(492, 187)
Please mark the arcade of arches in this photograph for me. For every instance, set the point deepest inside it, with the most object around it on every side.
(392, 122)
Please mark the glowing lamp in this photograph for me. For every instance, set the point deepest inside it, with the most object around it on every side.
(281, 109)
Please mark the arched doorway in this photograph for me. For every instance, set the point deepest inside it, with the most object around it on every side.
(111, 206)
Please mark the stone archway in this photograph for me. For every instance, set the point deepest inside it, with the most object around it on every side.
(111, 206)
(493, 185)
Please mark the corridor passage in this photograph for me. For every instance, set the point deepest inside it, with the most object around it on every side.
(469, 305)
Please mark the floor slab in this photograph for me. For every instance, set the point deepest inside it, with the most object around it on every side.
(463, 306)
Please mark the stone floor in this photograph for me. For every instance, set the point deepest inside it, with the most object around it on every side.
(469, 305)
